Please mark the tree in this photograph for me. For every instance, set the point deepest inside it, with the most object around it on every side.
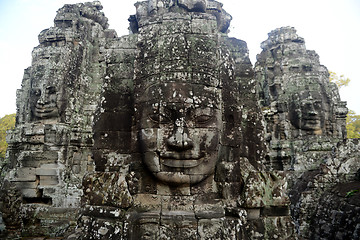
(6, 123)
(352, 120)
(340, 81)
(353, 125)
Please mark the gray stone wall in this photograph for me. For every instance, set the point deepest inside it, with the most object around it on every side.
(170, 133)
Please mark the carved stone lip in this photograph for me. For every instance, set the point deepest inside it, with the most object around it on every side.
(186, 155)
(312, 118)
(182, 163)
(44, 110)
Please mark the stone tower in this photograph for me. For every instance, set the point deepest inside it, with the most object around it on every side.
(298, 101)
(306, 137)
(50, 149)
(192, 165)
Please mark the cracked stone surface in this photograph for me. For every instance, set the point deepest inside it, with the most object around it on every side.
(171, 133)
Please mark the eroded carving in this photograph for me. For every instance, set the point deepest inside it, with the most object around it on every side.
(180, 131)
(307, 111)
(160, 135)
(51, 145)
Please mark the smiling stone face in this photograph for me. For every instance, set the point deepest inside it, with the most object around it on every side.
(47, 82)
(307, 112)
(45, 106)
(180, 126)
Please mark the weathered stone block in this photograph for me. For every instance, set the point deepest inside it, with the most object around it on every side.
(231, 190)
(114, 56)
(107, 189)
(182, 26)
(124, 42)
(265, 189)
(253, 213)
(114, 102)
(26, 184)
(178, 203)
(209, 211)
(178, 224)
(48, 180)
(123, 70)
(104, 212)
(30, 193)
(37, 158)
(101, 228)
(116, 140)
(147, 201)
(46, 171)
(202, 26)
(144, 225)
(25, 174)
(38, 139)
(211, 228)
(228, 172)
(119, 121)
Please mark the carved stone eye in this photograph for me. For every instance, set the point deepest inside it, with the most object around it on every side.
(154, 117)
(317, 105)
(157, 118)
(37, 92)
(51, 90)
(203, 119)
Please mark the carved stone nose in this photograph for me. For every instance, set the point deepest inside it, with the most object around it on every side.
(313, 113)
(179, 140)
(41, 100)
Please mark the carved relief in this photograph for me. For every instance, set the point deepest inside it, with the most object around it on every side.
(307, 111)
(180, 131)
(45, 91)
(295, 86)
(160, 134)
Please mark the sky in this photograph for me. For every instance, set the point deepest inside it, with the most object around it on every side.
(330, 27)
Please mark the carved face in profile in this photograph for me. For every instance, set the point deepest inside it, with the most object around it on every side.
(307, 112)
(180, 126)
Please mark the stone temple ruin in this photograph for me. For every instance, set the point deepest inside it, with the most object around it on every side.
(171, 133)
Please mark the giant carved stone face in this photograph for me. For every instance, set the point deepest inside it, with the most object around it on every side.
(45, 102)
(180, 126)
(47, 79)
(307, 112)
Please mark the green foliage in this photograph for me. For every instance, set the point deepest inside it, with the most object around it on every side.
(353, 125)
(340, 81)
(351, 193)
(352, 120)
(6, 123)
